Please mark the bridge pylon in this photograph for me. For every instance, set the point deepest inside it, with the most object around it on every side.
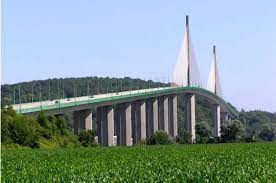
(186, 72)
(213, 81)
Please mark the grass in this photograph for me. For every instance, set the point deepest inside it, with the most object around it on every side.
(173, 163)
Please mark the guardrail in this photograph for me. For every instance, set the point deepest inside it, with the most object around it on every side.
(113, 97)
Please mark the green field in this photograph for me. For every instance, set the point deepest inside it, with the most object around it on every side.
(173, 163)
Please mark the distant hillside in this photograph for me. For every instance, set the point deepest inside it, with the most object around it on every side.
(51, 89)
(257, 120)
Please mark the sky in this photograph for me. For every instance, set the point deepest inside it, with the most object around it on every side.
(69, 38)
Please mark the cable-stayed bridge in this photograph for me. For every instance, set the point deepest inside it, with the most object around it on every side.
(127, 117)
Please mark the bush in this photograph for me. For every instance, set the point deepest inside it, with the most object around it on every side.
(61, 126)
(184, 137)
(267, 134)
(203, 133)
(12, 146)
(232, 131)
(141, 143)
(25, 131)
(159, 138)
(45, 133)
(7, 115)
(249, 139)
(87, 138)
(43, 120)
(213, 140)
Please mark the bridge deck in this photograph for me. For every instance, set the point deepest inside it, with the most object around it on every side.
(109, 97)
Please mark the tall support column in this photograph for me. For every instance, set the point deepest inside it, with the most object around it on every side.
(105, 123)
(142, 121)
(190, 114)
(163, 114)
(149, 117)
(172, 103)
(82, 120)
(166, 114)
(216, 120)
(155, 115)
(126, 133)
(139, 121)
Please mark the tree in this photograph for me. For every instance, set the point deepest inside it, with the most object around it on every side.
(267, 134)
(7, 115)
(46, 130)
(25, 131)
(87, 138)
(52, 122)
(203, 132)
(159, 138)
(184, 137)
(231, 131)
(61, 126)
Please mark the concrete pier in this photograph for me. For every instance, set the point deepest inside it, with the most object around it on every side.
(105, 125)
(190, 115)
(149, 128)
(173, 127)
(139, 121)
(216, 120)
(124, 124)
(82, 120)
(152, 114)
(126, 134)
(163, 109)
(155, 115)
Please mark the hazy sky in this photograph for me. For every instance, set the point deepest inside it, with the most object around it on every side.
(68, 38)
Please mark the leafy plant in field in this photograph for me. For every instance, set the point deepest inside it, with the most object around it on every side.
(171, 163)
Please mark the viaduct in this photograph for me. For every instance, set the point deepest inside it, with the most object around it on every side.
(125, 118)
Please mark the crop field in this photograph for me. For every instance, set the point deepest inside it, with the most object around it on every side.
(173, 163)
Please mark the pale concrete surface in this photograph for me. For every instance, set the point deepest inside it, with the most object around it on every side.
(216, 120)
(190, 114)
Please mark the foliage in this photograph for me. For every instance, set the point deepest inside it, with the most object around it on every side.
(18, 129)
(184, 137)
(203, 132)
(159, 138)
(24, 131)
(267, 134)
(69, 141)
(87, 138)
(46, 132)
(61, 126)
(7, 115)
(255, 121)
(173, 163)
(232, 131)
